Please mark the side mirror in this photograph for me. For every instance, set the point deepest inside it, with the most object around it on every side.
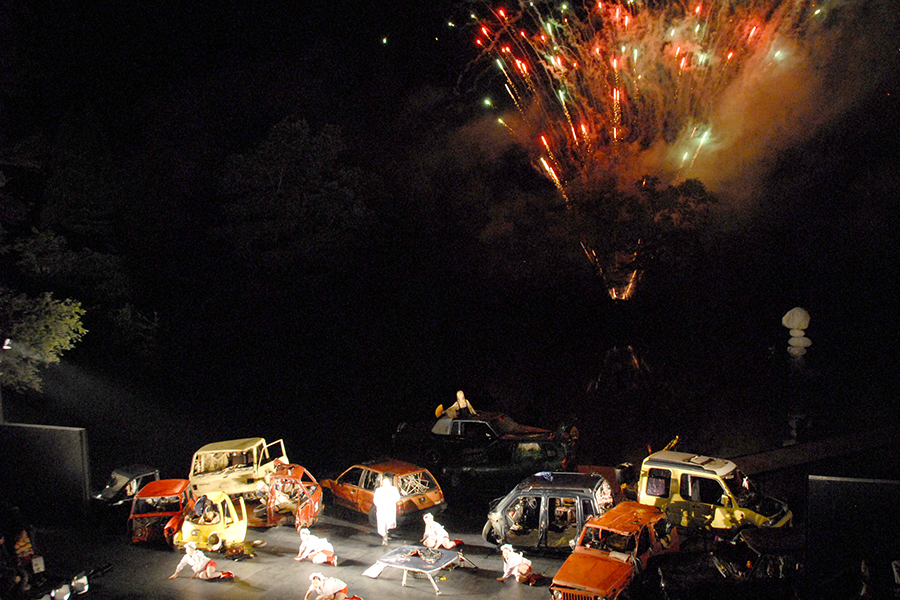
(725, 501)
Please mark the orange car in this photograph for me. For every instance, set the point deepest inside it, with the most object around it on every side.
(157, 504)
(419, 491)
(613, 551)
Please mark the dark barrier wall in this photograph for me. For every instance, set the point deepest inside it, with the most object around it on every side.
(45, 472)
(851, 520)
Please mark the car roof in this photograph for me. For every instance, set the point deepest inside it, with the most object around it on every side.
(135, 470)
(691, 462)
(397, 467)
(627, 517)
(232, 445)
(217, 497)
(163, 487)
(562, 480)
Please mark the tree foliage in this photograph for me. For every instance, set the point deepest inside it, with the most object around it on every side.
(291, 198)
(40, 328)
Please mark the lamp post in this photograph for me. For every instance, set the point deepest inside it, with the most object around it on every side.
(7, 345)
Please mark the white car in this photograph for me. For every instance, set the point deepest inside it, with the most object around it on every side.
(235, 466)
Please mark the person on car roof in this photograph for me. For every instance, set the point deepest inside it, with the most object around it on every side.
(461, 408)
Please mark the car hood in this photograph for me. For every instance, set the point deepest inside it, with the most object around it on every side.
(597, 573)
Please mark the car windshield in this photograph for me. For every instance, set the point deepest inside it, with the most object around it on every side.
(606, 540)
(505, 425)
(738, 483)
(212, 462)
(170, 504)
(416, 483)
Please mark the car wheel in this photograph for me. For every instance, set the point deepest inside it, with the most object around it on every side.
(489, 535)
(373, 518)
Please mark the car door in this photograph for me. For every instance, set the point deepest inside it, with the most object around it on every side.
(346, 487)
(525, 521)
(708, 500)
(562, 519)
(365, 496)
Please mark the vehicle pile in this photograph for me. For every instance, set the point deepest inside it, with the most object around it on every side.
(680, 524)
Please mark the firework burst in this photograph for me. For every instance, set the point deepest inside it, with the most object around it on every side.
(614, 90)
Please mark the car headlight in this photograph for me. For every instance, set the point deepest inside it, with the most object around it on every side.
(195, 532)
(557, 594)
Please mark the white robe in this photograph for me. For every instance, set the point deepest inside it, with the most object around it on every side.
(385, 499)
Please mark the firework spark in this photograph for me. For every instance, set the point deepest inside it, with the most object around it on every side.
(624, 88)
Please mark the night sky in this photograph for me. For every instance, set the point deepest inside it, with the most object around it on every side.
(329, 343)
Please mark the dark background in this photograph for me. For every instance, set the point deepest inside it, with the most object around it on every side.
(331, 353)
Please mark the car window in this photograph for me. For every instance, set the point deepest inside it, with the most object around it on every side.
(658, 482)
(705, 490)
(475, 429)
(563, 514)
(370, 479)
(351, 477)
(603, 495)
(143, 506)
(416, 483)
(528, 451)
(616, 542)
(587, 508)
(524, 513)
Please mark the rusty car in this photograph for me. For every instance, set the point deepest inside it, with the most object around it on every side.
(158, 509)
(612, 551)
(419, 490)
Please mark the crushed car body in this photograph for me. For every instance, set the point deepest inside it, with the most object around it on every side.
(703, 492)
(293, 496)
(124, 483)
(548, 510)
(612, 551)
(158, 504)
(235, 466)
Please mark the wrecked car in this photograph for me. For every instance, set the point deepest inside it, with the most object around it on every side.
(235, 466)
(111, 505)
(158, 504)
(703, 492)
(491, 471)
(612, 551)
(463, 439)
(124, 483)
(292, 497)
(548, 510)
(419, 490)
(760, 562)
(223, 523)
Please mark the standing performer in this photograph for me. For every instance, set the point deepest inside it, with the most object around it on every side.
(385, 499)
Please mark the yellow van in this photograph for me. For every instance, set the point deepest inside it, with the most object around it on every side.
(701, 491)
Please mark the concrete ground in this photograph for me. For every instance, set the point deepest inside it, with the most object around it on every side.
(142, 572)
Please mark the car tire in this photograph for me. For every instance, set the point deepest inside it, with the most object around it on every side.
(489, 535)
(373, 517)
